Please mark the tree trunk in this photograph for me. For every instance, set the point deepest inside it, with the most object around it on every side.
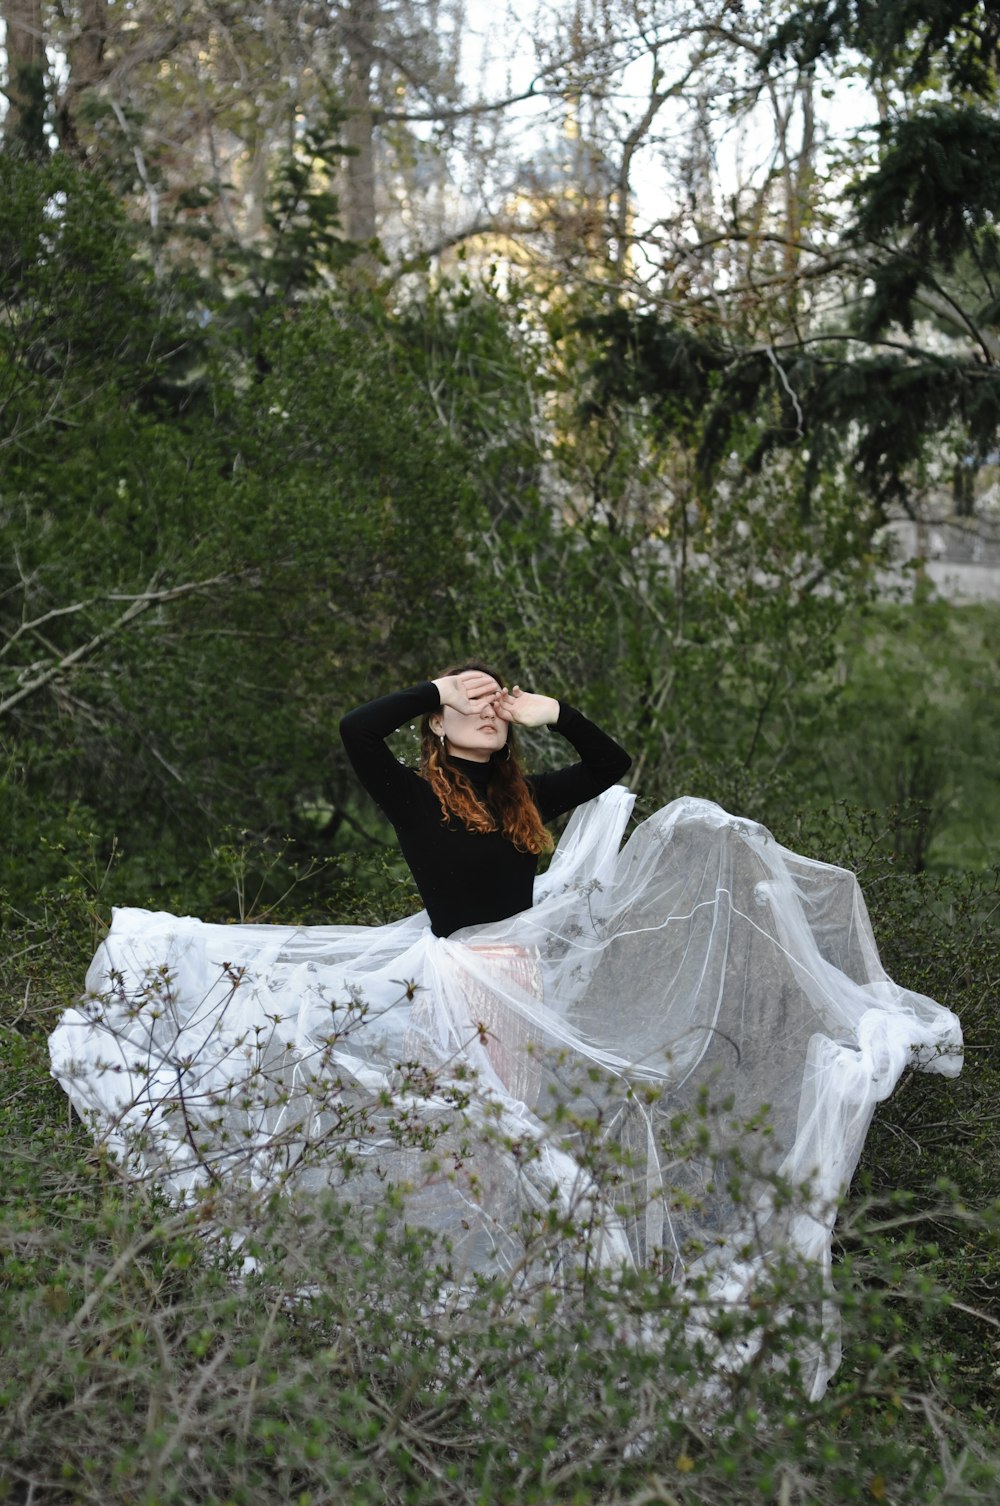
(85, 52)
(800, 181)
(359, 129)
(24, 126)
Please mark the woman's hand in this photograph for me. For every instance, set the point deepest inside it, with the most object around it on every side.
(526, 710)
(471, 691)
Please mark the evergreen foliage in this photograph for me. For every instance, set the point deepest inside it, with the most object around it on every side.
(952, 40)
(872, 417)
(937, 185)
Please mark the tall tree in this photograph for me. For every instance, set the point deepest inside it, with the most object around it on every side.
(189, 110)
(359, 30)
(24, 125)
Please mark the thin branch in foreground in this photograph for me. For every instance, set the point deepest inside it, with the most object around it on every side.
(138, 604)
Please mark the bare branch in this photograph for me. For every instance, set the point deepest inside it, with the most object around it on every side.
(138, 604)
(37, 623)
(152, 196)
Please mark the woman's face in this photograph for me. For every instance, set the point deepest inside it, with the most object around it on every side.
(473, 735)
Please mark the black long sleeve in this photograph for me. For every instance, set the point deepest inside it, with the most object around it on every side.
(468, 878)
(602, 763)
(363, 732)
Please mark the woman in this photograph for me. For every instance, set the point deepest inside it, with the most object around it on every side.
(641, 1046)
(470, 826)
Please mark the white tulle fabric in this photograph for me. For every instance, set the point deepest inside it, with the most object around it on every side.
(703, 1007)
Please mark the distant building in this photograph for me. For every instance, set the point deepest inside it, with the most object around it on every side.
(952, 540)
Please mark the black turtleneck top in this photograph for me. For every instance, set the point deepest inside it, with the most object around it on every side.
(467, 878)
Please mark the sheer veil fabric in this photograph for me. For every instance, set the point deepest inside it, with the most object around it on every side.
(697, 1001)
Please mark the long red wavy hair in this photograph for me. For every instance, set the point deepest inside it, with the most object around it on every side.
(512, 809)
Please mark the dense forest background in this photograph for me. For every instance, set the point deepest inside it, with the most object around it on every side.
(333, 348)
